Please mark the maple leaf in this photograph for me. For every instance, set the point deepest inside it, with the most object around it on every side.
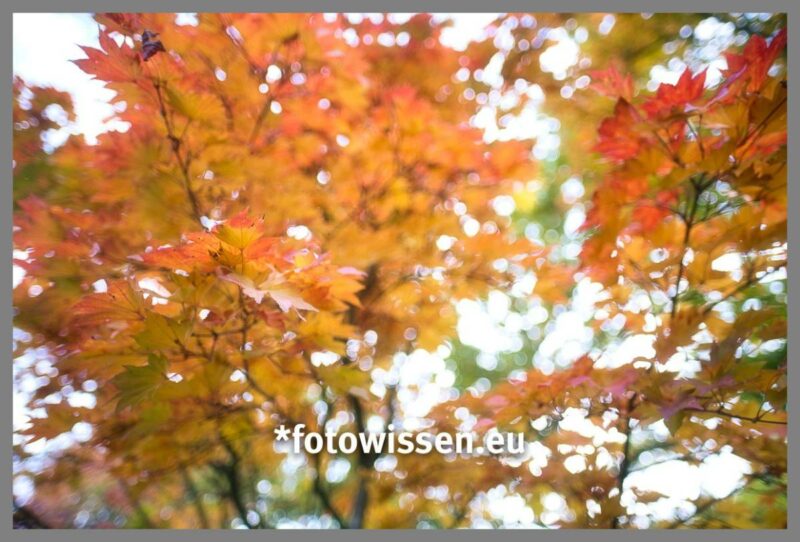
(240, 231)
(120, 303)
(616, 138)
(194, 253)
(276, 287)
(137, 384)
(676, 98)
(111, 63)
(752, 65)
(610, 82)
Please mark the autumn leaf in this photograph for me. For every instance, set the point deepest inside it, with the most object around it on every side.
(610, 82)
(671, 98)
(276, 287)
(112, 63)
(240, 231)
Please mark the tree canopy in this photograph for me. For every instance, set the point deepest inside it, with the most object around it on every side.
(298, 211)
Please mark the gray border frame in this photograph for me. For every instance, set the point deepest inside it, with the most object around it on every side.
(8, 7)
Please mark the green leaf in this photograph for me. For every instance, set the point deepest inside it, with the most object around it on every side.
(138, 383)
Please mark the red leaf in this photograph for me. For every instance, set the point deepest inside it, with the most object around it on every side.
(610, 82)
(752, 66)
(120, 303)
(672, 98)
(194, 253)
(648, 216)
(616, 139)
(110, 63)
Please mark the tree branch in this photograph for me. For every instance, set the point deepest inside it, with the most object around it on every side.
(624, 467)
(191, 489)
(175, 145)
(688, 219)
(324, 495)
(231, 473)
(725, 414)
